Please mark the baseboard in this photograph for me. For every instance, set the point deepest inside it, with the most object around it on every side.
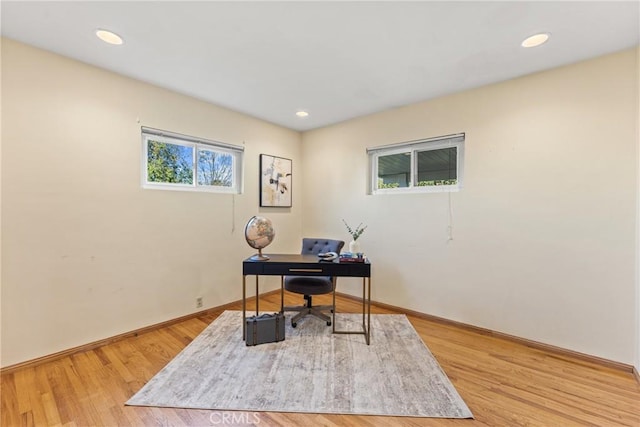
(90, 346)
(529, 343)
(636, 374)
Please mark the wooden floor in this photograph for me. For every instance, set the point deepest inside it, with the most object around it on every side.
(503, 383)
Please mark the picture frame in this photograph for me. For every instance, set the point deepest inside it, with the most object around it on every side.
(275, 181)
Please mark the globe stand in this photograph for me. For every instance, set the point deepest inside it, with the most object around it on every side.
(259, 256)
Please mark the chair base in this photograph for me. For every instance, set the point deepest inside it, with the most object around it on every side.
(314, 310)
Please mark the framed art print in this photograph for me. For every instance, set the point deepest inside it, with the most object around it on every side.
(275, 181)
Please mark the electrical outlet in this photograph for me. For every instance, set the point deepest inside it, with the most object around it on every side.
(199, 302)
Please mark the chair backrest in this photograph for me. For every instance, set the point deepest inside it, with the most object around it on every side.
(315, 246)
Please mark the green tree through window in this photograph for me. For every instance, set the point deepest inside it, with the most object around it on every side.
(177, 162)
(169, 163)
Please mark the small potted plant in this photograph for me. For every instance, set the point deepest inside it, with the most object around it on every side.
(354, 246)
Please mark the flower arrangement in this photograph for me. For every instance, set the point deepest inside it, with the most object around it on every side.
(357, 232)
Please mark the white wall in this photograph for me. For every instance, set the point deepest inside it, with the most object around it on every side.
(637, 299)
(544, 229)
(0, 210)
(86, 252)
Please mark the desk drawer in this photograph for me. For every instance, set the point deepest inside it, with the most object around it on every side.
(293, 270)
(304, 265)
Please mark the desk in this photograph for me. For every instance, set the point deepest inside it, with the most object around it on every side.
(309, 265)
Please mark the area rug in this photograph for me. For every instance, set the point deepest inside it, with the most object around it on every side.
(312, 371)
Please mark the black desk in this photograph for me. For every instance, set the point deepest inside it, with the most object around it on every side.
(309, 265)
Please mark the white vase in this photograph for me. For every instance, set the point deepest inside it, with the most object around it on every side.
(354, 247)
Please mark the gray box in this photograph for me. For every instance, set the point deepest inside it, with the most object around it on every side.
(264, 328)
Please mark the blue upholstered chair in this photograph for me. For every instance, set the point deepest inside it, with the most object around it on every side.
(312, 285)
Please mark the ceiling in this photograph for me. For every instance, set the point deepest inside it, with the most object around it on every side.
(336, 60)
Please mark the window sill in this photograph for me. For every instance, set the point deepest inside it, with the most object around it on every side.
(168, 187)
(418, 190)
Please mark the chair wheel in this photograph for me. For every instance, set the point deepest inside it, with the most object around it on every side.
(294, 324)
(329, 323)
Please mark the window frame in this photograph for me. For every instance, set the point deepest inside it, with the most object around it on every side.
(413, 147)
(197, 144)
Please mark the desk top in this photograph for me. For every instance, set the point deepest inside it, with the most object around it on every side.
(297, 258)
(304, 265)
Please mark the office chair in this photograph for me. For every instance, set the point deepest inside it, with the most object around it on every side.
(312, 285)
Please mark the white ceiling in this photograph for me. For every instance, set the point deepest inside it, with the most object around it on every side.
(336, 60)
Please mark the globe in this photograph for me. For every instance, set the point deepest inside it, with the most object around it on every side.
(259, 234)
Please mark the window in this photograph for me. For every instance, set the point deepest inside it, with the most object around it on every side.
(178, 162)
(428, 165)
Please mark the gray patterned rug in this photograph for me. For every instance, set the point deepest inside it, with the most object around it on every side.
(312, 371)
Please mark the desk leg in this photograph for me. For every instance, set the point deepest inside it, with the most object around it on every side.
(369, 311)
(366, 311)
(244, 305)
(364, 304)
(366, 308)
(281, 294)
(333, 312)
(257, 299)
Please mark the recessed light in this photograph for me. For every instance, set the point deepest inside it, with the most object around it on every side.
(535, 40)
(302, 113)
(109, 37)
